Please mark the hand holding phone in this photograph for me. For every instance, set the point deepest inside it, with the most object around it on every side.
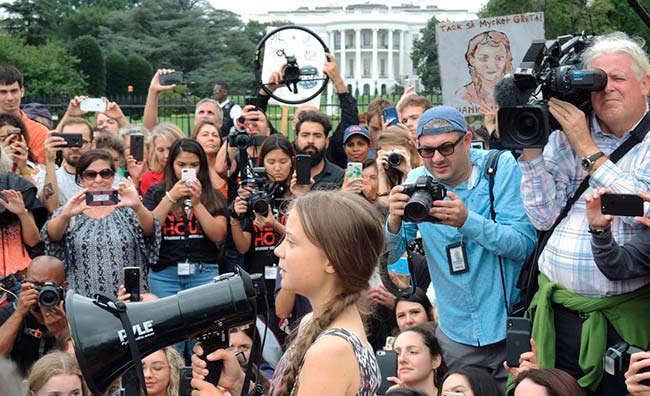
(387, 363)
(136, 148)
(102, 198)
(71, 139)
(189, 175)
(303, 169)
(622, 205)
(132, 282)
(354, 171)
(93, 105)
(174, 78)
(517, 339)
(390, 114)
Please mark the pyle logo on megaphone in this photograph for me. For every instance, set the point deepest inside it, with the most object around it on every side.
(140, 330)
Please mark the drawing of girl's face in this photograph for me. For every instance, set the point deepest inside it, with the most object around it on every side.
(490, 61)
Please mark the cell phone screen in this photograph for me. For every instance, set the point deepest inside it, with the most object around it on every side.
(137, 146)
(390, 114)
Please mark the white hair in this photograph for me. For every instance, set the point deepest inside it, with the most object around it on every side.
(208, 100)
(619, 42)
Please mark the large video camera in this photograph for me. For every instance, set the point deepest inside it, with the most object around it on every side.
(265, 192)
(423, 192)
(556, 71)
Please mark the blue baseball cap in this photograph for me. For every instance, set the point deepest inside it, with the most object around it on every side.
(355, 130)
(427, 126)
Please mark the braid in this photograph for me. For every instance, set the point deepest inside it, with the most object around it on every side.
(309, 335)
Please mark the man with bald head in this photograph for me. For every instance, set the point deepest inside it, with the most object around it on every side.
(28, 330)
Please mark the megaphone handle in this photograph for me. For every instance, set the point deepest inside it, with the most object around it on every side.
(210, 343)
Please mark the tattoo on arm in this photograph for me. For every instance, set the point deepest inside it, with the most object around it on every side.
(48, 190)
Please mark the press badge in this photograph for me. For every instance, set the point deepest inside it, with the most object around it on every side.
(270, 272)
(457, 258)
(185, 268)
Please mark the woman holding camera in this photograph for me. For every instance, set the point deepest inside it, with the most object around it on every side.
(193, 215)
(13, 143)
(99, 231)
(258, 226)
(396, 156)
(320, 259)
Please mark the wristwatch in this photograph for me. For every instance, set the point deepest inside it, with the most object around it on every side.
(588, 162)
(598, 232)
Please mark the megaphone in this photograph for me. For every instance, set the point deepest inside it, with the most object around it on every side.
(100, 341)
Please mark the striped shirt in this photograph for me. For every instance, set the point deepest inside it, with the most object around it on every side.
(550, 180)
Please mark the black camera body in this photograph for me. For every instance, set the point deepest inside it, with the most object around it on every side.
(50, 294)
(423, 192)
(555, 71)
(395, 159)
(616, 360)
(242, 140)
(265, 192)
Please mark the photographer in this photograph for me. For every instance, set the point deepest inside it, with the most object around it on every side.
(396, 156)
(256, 235)
(467, 252)
(29, 330)
(574, 297)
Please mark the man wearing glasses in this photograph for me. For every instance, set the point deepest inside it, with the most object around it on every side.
(467, 252)
(27, 329)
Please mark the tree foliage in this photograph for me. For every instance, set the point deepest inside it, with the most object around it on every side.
(49, 70)
(91, 64)
(425, 56)
(140, 72)
(117, 74)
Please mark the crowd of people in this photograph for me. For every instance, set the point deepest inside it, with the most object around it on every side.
(82, 200)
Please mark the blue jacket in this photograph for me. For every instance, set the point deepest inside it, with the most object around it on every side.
(470, 304)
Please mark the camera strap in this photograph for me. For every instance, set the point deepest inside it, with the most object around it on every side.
(490, 171)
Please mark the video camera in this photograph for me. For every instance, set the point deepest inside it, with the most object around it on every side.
(242, 140)
(265, 192)
(423, 192)
(555, 69)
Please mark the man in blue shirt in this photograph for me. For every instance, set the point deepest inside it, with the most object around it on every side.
(463, 248)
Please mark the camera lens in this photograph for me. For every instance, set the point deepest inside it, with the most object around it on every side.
(417, 208)
(49, 296)
(394, 159)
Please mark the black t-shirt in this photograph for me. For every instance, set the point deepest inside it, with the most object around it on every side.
(32, 341)
(177, 245)
(330, 178)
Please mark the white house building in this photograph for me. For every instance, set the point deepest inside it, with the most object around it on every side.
(371, 40)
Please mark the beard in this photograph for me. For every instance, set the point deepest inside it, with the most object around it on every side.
(316, 156)
(71, 159)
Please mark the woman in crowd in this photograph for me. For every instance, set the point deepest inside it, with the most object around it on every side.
(193, 215)
(413, 310)
(97, 241)
(420, 364)
(207, 133)
(320, 259)
(470, 381)
(248, 342)
(161, 371)
(546, 382)
(256, 234)
(488, 58)
(56, 373)
(396, 156)
(133, 168)
(162, 137)
(13, 141)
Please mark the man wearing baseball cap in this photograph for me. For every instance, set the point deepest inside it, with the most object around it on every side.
(356, 143)
(468, 253)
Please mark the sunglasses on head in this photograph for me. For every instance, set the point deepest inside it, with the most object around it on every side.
(104, 173)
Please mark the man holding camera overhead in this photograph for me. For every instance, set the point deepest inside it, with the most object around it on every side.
(579, 312)
(473, 260)
(30, 327)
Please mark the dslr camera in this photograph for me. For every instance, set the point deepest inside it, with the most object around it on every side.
(265, 192)
(395, 160)
(423, 192)
(241, 139)
(49, 294)
(616, 360)
(555, 71)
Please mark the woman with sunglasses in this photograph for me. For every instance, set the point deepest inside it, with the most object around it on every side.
(96, 235)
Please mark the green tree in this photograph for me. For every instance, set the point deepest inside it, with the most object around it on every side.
(91, 63)
(425, 56)
(49, 70)
(117, 74)
(33, 20)
(87, 20)
(140, 72)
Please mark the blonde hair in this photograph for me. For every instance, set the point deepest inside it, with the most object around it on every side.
(53, 364)
(176, 362)
(164, 130)
(398, 136)
(338, 223)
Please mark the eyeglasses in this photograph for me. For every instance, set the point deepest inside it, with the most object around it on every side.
(92, 175)
(445, 149)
